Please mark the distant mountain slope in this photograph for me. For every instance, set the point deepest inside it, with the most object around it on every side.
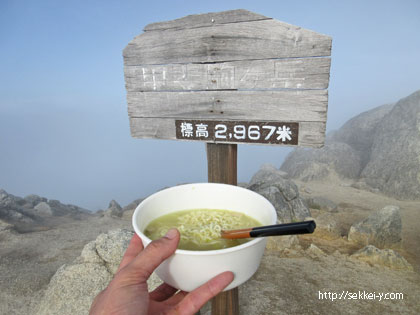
(394, 164)
(27, 213)
(380, 147)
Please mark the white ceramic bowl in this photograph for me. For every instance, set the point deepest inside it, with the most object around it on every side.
(186, 270)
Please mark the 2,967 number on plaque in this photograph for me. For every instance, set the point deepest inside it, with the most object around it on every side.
(238, 131)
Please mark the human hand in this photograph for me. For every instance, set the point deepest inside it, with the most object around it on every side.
(127, 293)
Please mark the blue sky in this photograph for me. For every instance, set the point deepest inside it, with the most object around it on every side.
(64, 130)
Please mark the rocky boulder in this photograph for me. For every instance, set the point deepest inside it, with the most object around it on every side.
(281, 192)
(382, 228)
(13, 210)
(132, 205)
(74, 286)
(281, 243)
(32, 200)
(32, 208)
(114, 210)
(110, 247)
(60, 209)
(384, 257)
(333, 160)
(5, 227)
(43, 208)
(394, 164)
(326, 227)
(358, 132)
(321, 203)
(314, 251)
(362, 185)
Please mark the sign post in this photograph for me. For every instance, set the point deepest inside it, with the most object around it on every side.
(228, 78)
(222, 168)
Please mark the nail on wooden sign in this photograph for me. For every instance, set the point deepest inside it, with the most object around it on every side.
(233, 68)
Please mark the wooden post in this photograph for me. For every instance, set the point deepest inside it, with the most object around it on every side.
(222, 168)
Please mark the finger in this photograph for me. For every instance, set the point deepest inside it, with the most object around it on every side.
(175, 299)
(133, 249)
(194, 300)
(162, 292)
(141, 267)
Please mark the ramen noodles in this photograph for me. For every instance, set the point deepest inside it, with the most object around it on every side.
(200, 228)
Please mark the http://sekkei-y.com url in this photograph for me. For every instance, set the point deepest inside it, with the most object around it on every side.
(359, 295)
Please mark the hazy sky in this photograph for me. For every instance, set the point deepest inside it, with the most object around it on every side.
(64, 131)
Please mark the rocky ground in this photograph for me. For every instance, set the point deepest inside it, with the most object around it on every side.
(34, 244)
(29, 260)
(292, 276)
(354, 205)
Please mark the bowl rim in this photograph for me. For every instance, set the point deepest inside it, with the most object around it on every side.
(203, 252)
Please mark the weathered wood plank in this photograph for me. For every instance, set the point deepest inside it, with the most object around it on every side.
(226, 303)
(206, 19)
(295, 73)
(286, 105)
(311, 134)
(222, 168)
(226, 42)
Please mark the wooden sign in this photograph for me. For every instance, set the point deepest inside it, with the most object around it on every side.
(245, 76)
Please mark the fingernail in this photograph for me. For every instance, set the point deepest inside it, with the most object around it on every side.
(171, 234)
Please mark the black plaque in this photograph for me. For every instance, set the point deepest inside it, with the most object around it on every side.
(270, 132)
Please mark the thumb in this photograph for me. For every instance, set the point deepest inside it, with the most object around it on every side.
(152, 256)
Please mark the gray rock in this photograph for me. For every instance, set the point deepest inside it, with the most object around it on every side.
(5, 227)
(384, 257)
(362, 185)
(321, 203)
(114, 210)
(326, 227)
(9, 201)
(334, 159)
(32, 200)
(12, 209)
(272, 169)
(282, 242)
(281, 192)
(382, 228)
(307, 190)
(15, 216)
(298, 209)
(111, 246)
(90, 254)
(394, 165)
(43, 208)
(60, 209)
(3, 194)
(363, 124)
(314, 251)
(268, 173)
(132, 205)
(272, 175)
(33, 209)
(73, 288)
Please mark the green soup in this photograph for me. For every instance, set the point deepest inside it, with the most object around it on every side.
(200, 228)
